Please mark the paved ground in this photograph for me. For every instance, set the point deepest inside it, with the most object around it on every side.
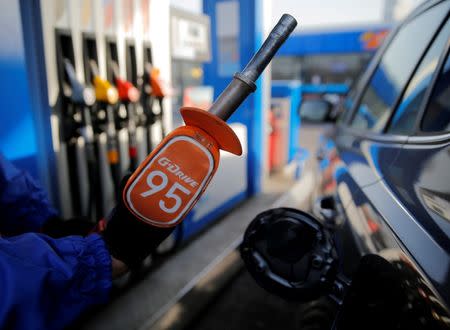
(244, 305)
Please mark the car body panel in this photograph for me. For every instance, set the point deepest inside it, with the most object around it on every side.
(394, 192)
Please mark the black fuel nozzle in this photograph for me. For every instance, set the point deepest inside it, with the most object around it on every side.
(146, 88)
(115, 70)
(79, 93)
(93, 66)
(243, 83)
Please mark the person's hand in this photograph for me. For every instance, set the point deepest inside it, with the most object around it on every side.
(57, 227)
(118, 268)
(129, 239)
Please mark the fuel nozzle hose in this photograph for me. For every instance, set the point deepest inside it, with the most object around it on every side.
(243, 83)
(81, 98)
(170, 181)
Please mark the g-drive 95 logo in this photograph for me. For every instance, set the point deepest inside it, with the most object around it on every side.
(166, 188)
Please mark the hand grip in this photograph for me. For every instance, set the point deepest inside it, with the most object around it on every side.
(244, 83)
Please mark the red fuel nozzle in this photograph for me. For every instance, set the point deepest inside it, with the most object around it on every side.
(127, 92)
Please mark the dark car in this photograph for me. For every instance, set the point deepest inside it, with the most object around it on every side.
(384, 194)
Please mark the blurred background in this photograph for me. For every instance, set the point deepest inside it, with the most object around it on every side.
(80, 107)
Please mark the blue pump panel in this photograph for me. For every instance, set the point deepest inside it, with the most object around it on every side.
(236, 34)
(18, 135)
(293, 90)
(335, 42)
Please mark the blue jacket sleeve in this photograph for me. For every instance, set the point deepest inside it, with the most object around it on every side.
(24, 205)
(46, 283)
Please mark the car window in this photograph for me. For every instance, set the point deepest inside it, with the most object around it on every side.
(407, 111)
(314, 110)
(345, 106)
(395, 68)
(437, 114)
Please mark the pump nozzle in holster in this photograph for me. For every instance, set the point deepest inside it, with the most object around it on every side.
(128, 96)
(107, 97)
(82, 98)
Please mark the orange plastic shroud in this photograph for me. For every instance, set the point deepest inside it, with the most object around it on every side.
(214, 126)
(169, 182)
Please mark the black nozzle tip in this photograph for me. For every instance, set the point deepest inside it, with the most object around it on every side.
(285, 26)
(289, 20)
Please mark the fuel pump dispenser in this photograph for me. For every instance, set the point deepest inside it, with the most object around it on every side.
(169, 182)
(152, 94)
(107, 98)
(82, 99)
(130, 111)
(146, 95)
(128, 96)
(158, 95)
(147, 103)
(105, 109)
(75, 102)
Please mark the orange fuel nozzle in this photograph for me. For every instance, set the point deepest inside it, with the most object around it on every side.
(170, 181)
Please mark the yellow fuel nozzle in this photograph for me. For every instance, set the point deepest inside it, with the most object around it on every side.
(104, 91)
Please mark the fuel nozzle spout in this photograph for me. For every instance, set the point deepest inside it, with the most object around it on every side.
(127, 92)
(243, 83)
(79, 94)
(104, 90)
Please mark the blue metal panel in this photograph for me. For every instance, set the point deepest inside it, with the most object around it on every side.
(344, 42)
(18, 135)
(325, 88)
(210, 69)
(256, 132)
(291, 90)
(250, 113)
(37, 80)
(294, 125)
(294, 91)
